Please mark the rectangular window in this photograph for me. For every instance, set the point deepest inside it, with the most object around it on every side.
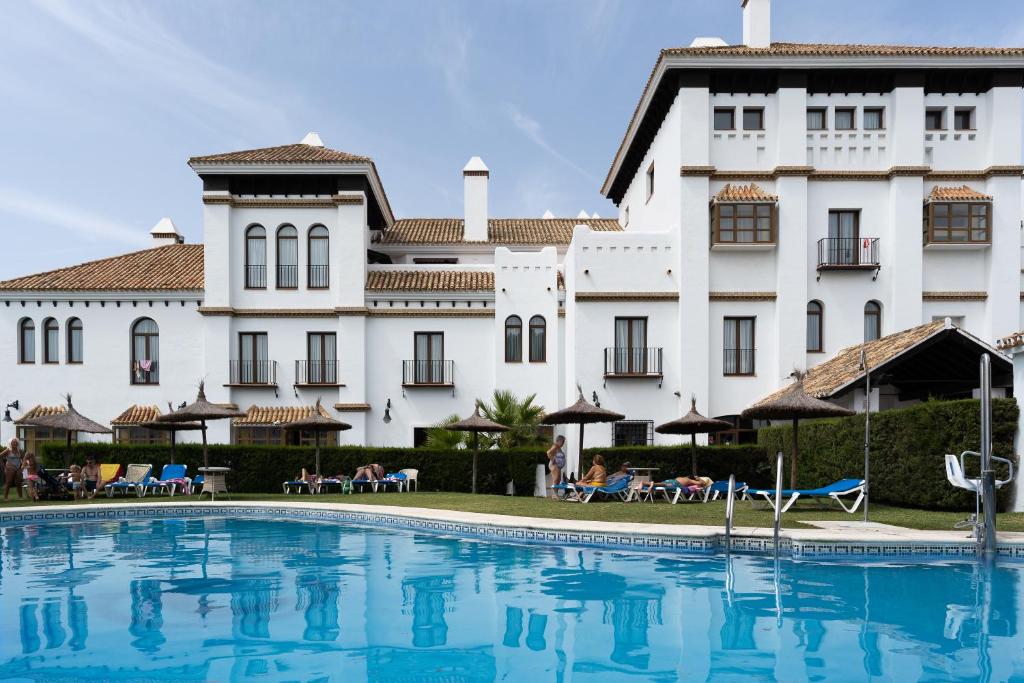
(874, 118)
(738, 346)
(952, 222)
(633, 433)
(725, 118)
(140, 436)
(51, 333)
(816, 118)
(963, 118)
(845, 118)
(630, 356)
(435, 261)
(321, 358)
(934, 118)
(26, 341)
(744, 223)
(253, 360)
(753, 118)
(650, 182)
(32, 438)
(428, 357)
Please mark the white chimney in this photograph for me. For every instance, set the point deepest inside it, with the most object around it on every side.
(757, 23)
(582, 214)
(474, 183)
(548, 215)
(312, 139)
(164, 233)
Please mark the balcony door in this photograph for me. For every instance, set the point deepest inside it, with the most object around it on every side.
(254, 362)
(631, 346)
(844, 236)
(429, 358)
(321, 358)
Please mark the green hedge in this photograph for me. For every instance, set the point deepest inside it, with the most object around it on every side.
(907, 448)
(748, 462)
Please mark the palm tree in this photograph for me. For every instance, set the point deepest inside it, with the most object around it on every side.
(439, 438)
(521, 416)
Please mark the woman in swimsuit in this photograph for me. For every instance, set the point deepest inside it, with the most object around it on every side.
(556, 460)
(12, 457)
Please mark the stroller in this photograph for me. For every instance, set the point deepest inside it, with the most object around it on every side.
(50, 488)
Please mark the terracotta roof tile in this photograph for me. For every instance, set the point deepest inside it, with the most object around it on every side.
(283, 154)
(744, 193)
(171, 267)
(41, 411)
(1011, 341)
(838, 50)
(500, 230)
(430, 281)
(275, 415)
(957, 194)
(136, 415)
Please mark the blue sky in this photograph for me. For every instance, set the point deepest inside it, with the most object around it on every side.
(103, 102)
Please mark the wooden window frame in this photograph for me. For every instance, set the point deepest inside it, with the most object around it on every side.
(876, 314)
(760, 113)
(149, 336)
(971, 112)
(26, 325)
(430, 359)
(722, 110)
(941, 111)
(277, 256)
(821, 326)
(309, 260)
(510, 356)
(716, 222)
(543, 326)
(70, 329)
(853, 118)
(930, 228)
(46, 341)
(738, 349)
(248, 236)
(881, 117)
(630, 370)
(824, 117)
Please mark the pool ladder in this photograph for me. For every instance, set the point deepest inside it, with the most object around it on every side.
(730, 506)
(778, 501)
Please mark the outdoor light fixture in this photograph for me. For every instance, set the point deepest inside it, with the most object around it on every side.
(7, 410)
(387, 413)
(596, 402)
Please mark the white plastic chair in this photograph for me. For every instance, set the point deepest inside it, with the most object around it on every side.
(955, 475)
(411, 478)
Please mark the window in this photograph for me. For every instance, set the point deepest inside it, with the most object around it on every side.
(513, 339)
(815, 327)
(738, 344)
(253, 364)
(958, 222)
(933, 119)
(633, 433)
(140, 436)
(428, 364)
(321, 358)
(435, 261)
(845, 118)
(843, 237)
(74, 345)
(872, 321)
(816, 118)
(874, 118)
(650, 182)
(753, 118)
(269, 435)
(32, 438)
(26, 341)
(630, 354)
(743, 223)
(725, 118)
(51, 341)
(145, 352)
(319, 242)
(287, 257)
(963, 118)
(255, 257)
(538, 339)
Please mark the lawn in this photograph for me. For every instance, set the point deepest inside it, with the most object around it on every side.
(711, 514)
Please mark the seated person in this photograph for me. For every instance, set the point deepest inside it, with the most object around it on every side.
(622, 473)
(371, 472)
(90, 477)
(597, 475)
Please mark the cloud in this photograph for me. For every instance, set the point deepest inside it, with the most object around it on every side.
(531, 128)
(74, 219)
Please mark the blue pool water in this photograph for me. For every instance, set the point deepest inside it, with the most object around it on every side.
(263, 600)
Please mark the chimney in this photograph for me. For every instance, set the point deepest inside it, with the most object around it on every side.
(757, 23)
(164, 233)
(474, 182)
(312, 139)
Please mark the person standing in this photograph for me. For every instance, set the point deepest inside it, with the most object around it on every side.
(12, 457)
(556, 460)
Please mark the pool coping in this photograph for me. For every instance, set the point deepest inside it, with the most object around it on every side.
(867, 542)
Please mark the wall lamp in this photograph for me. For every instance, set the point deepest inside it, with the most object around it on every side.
(596, 402)
(387, 413)
(7, 411)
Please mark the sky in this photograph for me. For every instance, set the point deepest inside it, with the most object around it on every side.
(103, 102)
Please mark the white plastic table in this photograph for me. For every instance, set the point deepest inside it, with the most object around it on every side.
(214, 481)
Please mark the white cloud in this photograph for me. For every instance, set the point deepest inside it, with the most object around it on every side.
(531, 128)
(73, 219)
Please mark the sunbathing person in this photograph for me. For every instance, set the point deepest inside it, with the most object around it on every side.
(622, 473)
(597, 475)
(371, 472)
(692, 483)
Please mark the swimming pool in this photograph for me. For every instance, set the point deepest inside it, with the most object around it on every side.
(264, 599)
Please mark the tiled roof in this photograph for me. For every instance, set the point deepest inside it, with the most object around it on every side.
(283, 154)
(499, 230)
(171, 267)
(136, 415)
(957, 194)
(430, 281)
(744, 193)
(1011, 341)
(275, 415)
(837, 50)
(40, 411)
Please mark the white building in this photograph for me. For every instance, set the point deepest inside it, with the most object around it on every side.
(777, 203)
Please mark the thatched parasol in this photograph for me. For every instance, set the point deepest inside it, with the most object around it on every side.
(693, 423)
(201, 410)
(476, 423)
(69, 420)
(793, 404)
(173, 428)
(317, 422)
(581, 413)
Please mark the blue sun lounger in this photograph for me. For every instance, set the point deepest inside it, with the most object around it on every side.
(836, 491)
(133, 481)
(173, 478)
(583, 494)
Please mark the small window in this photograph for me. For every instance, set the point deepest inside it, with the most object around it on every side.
(633, 433)
(934, 119)
(963, 118)
(538, 339)
(744, 223)
(255, 257)
(26, 341)
(952, 222)
(815, 327)
(738, 346)
(874, 118)
(318, 268)
(435, 261)
(145, 368)
(753, 118)
(725, 118)
(872, 321)
(845, 118)
(513, 339)
(287, 257)
(650, 182)
(51, 337)
(816, 118)
(74, 345)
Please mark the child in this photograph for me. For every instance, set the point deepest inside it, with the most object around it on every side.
(32, 476)
(75, 480)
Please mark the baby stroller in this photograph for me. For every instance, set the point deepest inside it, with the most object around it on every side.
(50, 488)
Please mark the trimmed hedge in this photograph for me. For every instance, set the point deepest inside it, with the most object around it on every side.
(907, 448)
(748, 462)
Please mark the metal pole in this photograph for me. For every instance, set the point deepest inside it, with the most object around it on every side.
(867, 430)
(730, 502)
(988, 475)
(778, 498)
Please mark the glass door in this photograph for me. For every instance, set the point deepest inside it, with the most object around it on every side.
(631, 346)
(429, 358)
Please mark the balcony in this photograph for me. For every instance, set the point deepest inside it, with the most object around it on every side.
(252, 373)
(317, 277)
(256, 277)
(317, 373)
(144, 372)
(428, 373)
(287, 277)
(633, 362)
(848, 253)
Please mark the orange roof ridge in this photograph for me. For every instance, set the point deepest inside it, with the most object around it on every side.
(282, 154)
(744, 193)
(963, 193)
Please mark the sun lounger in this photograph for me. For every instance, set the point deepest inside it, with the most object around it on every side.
(173, 478)
(720, 489)
(197, 483)
(297, 485)
(836, 491)
(579, 493)
(396, 479)
(133, 481)
(110, 472)
(345, 485)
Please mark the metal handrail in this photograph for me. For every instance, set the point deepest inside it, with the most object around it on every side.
(778, 498)
(730, 506)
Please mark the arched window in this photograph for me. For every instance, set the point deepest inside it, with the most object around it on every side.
(287, 257)
(538, 339)
(319, 241)
(74, 344)
(815, 326)
(51, 341)
(145, 352)
(513, 339)
(26, 341)
(872, 320)
(256, 257)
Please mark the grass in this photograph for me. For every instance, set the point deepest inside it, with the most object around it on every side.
(711, 514)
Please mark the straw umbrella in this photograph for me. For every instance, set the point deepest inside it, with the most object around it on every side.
(581, 413)
(69, 420)
(476, 423)
(201, 410)
(793, 404)
(173, 428)
(693, 423)
(317, 423)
